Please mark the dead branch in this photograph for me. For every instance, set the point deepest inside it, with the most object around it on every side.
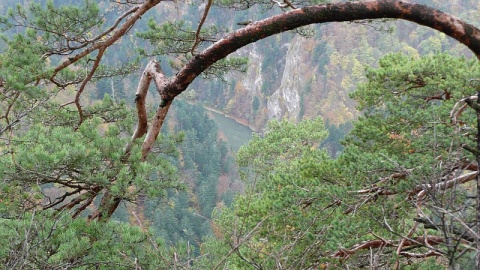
(456, 113)
(200, 25)
(403, 241)
(140, 97)
(152, 71)
(284, 5)
(450, 183)
(157, 123)
(61, 199)
(420, 255)
(84, 83)
(429, 224)
(84, 206)
(374, 244)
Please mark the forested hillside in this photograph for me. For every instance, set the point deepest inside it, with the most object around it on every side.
(297, 76)
(365, 156)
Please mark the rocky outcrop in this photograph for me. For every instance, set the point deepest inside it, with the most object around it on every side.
(293, 77)
(286, 99)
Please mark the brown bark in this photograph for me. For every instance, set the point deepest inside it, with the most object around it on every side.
(80, 90)
(109, 203)
(140, 102)
(374, 244)
(339, 12)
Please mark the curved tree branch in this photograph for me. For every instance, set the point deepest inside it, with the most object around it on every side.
(87, 79)
(465, 33)
(140, 102)
(122, 30)
(340, 12)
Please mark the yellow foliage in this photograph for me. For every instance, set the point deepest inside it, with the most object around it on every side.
(346, 82)
(410, 51)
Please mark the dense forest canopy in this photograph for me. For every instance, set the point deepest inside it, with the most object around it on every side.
(96, 175)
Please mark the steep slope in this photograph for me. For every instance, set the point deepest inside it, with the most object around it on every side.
(291, 76)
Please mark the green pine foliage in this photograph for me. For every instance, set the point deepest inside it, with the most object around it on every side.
(282, 217)
(182, 218)
(48, 156)
(301, 209)
(45, 240)
(407, 129)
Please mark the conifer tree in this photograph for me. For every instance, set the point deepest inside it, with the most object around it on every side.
(51, 136)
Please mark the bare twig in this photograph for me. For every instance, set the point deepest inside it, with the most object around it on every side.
(243, 240)
(84, 83)
(403, 241)
(200, 25)
(154, 244)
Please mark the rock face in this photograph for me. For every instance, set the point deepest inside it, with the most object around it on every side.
(287, 77)
(290, 76)
(285, 101)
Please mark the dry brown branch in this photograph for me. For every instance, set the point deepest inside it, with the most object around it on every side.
(403, 241)
(374, 244)
(61, 199)
(289, 4)
(78, 200)
(440, 186)
(87, 79)
(9, 108)
(470, 232)
(456, 113)
(421, 255)
(448, 184)
(84, 206)
(200, 25)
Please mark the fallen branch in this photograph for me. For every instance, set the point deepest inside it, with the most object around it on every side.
(373, 244)
(430, 253)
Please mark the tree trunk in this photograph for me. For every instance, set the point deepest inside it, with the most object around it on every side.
(109, 204)
(477, 257)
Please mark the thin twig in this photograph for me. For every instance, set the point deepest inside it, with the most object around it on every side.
(154, 244)
(84, 83)
(200, 25)
(122, 30)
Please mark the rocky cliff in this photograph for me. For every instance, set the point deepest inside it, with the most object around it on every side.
(293, 76)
